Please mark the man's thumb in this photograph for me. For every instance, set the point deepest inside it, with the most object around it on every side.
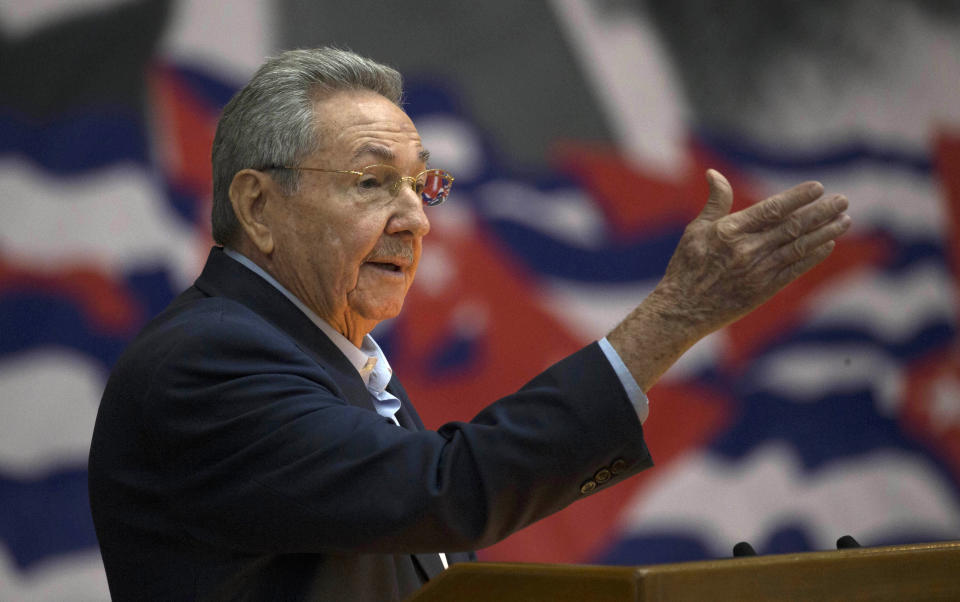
(721, 197)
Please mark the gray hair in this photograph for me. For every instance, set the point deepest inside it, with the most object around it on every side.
(271, 121)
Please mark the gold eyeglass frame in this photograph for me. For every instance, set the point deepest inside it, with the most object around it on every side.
(396, 188)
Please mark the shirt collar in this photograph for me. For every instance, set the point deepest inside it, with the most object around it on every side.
(368, 359)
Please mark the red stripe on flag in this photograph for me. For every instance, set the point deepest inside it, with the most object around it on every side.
(106, 303)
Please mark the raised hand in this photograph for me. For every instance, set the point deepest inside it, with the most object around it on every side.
(726, 265)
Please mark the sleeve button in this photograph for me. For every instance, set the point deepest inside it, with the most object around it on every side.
(618, 466)
(588, 486)
(603, 475)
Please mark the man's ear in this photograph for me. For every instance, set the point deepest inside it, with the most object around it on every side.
(249, 197)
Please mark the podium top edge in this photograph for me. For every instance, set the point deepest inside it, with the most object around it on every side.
(948, 547)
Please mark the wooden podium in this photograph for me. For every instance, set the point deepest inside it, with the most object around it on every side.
(901, 573)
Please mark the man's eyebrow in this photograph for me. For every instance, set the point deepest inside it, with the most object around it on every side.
(385, 154)
(380, 152)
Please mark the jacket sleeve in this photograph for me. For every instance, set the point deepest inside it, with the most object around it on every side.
(256, 449)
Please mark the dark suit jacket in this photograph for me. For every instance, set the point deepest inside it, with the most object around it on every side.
(237, 455)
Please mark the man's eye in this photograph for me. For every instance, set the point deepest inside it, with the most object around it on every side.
(368, 182)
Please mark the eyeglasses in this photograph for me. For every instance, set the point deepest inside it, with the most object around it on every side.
(433, 185)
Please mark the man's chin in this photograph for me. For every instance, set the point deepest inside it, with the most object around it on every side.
(377, 312)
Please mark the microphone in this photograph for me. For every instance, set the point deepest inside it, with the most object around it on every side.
(847, 542)
(743, 549)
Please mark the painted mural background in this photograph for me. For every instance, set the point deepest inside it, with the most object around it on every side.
(579, 133)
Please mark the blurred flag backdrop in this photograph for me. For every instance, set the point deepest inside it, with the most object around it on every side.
(578, 132)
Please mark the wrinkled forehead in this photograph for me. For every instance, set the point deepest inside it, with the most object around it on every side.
(363, 126)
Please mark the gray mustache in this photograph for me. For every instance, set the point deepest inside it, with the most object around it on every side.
(392, 248)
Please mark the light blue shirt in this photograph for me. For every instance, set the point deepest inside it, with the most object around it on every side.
(375, 371)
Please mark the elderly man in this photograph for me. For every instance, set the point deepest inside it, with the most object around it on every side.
(251, 443)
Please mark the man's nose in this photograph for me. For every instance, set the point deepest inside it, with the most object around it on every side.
(409, 214)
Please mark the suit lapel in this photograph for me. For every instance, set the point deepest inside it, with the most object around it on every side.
(406, 415)
(224, 277)
(429, 564)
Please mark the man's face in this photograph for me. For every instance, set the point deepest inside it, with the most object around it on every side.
(348, 254)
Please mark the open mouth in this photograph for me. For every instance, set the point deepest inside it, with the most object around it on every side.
(385, 266)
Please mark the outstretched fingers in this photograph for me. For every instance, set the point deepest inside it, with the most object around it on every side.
(807, 219)
(778, 208)
(803, 265)
(798, 249)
